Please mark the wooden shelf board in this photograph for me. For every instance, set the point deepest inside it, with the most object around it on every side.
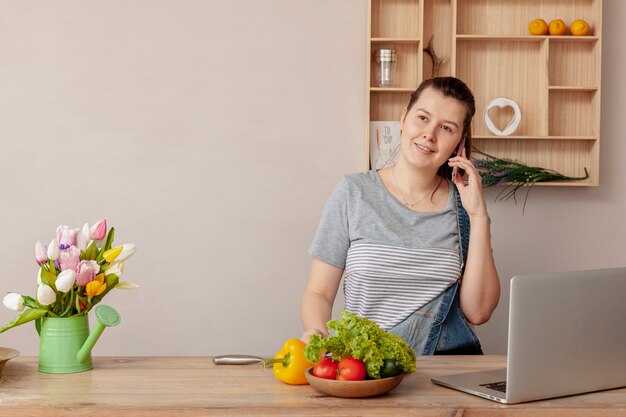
(392, 89)
(504, 38)
(572, 38)
(512, 137)
(395, 40)
(525, 38)
(571, 88)
(577, 183)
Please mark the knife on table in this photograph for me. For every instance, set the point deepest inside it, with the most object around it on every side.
(235, 359)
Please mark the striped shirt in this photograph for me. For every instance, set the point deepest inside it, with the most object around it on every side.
(388, 284)
(395, 260)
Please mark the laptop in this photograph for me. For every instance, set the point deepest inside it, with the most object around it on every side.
(567, 335)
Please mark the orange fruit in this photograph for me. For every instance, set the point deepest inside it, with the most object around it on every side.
(538, 27)
(579, 28)
(557, 27)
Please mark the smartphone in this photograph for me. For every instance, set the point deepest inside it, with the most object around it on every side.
(458, 152)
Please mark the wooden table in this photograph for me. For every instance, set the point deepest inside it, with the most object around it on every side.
(194, 386)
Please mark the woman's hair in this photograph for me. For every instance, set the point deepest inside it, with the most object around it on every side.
(453, 88)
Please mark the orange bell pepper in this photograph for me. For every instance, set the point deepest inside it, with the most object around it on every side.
(290, 363)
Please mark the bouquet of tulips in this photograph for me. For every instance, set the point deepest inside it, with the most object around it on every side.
(76, 270)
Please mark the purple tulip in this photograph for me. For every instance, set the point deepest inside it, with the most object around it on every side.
(41, 255)
(69, 258)
(66, 236)
(86, 272)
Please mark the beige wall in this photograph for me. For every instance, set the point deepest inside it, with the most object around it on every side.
(210, 133)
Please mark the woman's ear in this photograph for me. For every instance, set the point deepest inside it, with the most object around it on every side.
(404, 112)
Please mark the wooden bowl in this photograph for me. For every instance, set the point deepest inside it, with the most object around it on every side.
(5, 355)
(353, 389)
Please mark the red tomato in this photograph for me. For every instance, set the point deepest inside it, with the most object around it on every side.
(326, 368)
(351, 369)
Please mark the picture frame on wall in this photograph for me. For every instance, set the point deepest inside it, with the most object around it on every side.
(384, 143)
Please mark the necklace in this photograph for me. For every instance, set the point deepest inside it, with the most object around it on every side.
(404, 199)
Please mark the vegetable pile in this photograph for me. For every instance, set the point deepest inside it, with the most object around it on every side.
(384, 354)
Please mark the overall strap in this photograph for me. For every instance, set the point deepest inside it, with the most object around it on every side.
(455, 335)
(463, 224)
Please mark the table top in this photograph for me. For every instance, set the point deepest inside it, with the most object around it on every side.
(194, 386)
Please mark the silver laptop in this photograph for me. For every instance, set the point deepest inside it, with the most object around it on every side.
(567, 335)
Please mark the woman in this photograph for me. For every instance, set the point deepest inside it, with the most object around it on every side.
(401, 236)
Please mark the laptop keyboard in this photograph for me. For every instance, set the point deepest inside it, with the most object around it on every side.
(497, 386)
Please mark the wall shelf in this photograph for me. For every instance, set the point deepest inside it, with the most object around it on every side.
(554, 79)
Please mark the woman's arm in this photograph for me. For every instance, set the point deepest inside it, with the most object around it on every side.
(319, 296)
(480, 289)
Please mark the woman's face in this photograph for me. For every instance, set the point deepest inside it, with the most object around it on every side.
(432, 129)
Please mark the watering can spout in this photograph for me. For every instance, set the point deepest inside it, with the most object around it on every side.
(106, 317)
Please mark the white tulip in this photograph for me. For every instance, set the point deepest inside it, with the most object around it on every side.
(116, 268)
(14, 301)
(128, 250)
(126, 285)
(39, 277)
(45, 295)
(66, 280)
(82, 238)
(53, 250)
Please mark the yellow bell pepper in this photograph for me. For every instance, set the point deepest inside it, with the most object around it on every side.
(290, 363)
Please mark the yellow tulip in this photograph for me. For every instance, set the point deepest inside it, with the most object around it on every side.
(112, 253)
(94, 288)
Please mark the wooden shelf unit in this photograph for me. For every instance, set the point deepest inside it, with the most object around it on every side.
(554, 79)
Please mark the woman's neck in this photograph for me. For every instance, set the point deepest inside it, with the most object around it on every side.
(414, 181)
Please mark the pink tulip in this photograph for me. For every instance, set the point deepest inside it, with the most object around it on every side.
(66, 236)
(86, 272)
(40, 253)
(69, 258)
(99, 230)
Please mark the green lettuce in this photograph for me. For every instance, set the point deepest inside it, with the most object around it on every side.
(362, 339)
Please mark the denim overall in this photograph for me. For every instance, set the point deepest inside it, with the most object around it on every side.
(440, 327)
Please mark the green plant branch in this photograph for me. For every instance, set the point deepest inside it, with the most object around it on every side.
(513, 175)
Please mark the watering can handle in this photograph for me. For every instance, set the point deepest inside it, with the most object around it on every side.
(107, 317)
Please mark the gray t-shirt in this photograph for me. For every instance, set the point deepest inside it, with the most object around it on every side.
(395, 260)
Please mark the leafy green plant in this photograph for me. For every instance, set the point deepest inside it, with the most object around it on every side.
(513, 175)
(362, 339)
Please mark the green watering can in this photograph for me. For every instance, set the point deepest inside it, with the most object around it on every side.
(65, 343)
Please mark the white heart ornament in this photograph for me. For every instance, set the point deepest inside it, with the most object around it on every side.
(503, 102)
